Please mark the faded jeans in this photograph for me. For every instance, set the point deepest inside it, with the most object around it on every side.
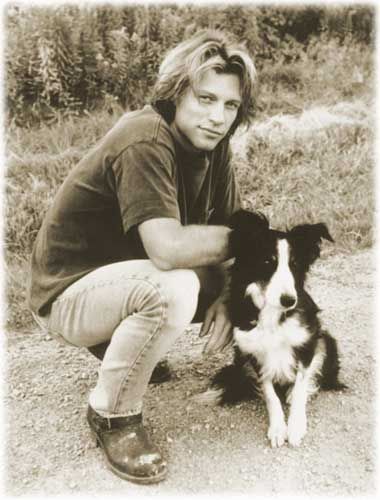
(141, 311)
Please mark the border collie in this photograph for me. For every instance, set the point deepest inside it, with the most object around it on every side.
(281, 350)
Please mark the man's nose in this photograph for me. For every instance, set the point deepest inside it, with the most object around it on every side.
(217, 113)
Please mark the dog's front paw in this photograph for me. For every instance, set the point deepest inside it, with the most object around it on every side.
(277, 433)
(297, 425)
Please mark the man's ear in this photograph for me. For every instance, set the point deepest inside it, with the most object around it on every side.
(309, 238)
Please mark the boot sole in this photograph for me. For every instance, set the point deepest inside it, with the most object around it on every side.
(123, 475)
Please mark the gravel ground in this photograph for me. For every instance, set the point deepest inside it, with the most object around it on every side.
(210, 449)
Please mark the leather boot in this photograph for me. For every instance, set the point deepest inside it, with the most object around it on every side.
(128, 451)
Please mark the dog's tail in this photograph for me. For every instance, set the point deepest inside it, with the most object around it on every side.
(212, 396)
(232, 384)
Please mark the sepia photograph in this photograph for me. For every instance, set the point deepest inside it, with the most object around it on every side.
(189, 258)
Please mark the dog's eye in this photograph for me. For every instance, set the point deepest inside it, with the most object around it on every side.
(270, 261)
(292, 261)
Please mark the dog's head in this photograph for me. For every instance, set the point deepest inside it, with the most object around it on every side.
(270, 266)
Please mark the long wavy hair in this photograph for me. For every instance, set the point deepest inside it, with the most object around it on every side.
(185, 65)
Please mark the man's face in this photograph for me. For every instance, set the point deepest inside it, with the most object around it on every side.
(205, 114)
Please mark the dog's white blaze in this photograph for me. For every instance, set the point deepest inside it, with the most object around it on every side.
(272, 347)
(282, 281)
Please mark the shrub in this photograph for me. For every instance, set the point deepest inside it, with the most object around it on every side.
(70, 58)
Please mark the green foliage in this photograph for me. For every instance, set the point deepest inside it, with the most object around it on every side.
(67, 59)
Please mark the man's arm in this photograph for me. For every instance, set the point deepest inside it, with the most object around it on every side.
(169, 245)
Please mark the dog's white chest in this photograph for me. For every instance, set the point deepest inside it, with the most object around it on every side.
(273, 346)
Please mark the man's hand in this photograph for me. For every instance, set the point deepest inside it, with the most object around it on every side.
(217, 322)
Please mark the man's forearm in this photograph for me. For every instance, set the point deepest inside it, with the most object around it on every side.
(224, 272)
(170, 245)
(198, 246)
(191, 246)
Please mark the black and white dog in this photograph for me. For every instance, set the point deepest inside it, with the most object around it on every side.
(280, 347)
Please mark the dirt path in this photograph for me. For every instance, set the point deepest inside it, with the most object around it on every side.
(210, 450)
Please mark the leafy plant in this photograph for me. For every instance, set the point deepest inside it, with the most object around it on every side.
(71, 58)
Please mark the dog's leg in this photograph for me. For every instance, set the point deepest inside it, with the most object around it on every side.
(297, 423)
(277, 426)
(304, 386)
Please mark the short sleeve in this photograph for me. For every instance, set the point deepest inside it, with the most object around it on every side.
(146, 187)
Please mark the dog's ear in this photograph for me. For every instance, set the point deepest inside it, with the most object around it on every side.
(312, 232)
(246, 221)
(309, 238)
(246, 229)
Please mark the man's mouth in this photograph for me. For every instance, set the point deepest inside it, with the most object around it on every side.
(211, 132)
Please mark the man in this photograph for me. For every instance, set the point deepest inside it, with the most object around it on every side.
(127, 256)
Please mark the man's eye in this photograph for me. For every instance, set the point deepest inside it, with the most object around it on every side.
(232, 105)
(205, 99)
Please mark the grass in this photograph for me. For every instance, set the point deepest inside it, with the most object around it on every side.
(291, 174)
(324, 175)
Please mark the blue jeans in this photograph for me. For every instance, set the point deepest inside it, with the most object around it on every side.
(141, 311)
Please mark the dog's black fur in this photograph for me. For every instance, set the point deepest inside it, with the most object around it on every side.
(255, 246)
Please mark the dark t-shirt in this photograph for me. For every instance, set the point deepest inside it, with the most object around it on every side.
(140, 170)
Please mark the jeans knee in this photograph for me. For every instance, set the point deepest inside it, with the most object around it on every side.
(181, 291)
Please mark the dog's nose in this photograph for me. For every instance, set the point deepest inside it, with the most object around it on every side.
(288, 301)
